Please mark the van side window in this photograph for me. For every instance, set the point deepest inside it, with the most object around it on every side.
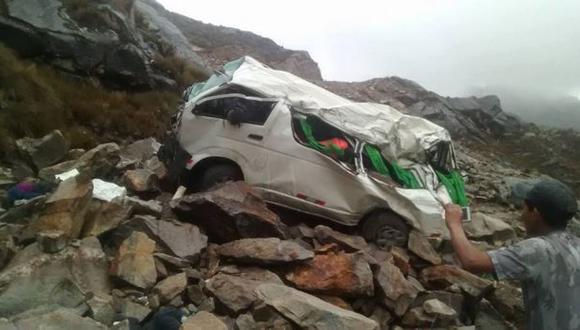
(211, 108)
(250, 111)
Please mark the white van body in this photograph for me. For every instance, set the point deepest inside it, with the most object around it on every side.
(293, 175)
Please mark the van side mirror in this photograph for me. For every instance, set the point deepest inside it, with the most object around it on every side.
(235, 116)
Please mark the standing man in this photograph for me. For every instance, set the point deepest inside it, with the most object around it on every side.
(547, 263)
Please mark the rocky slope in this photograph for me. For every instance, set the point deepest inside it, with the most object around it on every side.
(109, 248)
(220, 44)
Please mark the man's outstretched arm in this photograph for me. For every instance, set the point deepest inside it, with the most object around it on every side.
(472, 259)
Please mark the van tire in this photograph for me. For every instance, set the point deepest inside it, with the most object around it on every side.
(218, 173)
(385, 229)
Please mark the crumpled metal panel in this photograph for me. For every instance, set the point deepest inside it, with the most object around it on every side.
(397, 135)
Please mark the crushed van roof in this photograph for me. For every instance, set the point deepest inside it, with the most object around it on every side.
(398, 136)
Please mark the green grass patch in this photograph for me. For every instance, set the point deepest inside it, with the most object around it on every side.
(35, 99)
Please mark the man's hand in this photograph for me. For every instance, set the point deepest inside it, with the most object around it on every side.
(453, 215)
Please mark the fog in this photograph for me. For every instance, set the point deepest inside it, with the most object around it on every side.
(452, 47)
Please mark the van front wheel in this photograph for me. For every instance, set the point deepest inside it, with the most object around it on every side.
(219, 173)
(385, 229)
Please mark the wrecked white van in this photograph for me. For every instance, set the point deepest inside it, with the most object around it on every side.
(307, 149)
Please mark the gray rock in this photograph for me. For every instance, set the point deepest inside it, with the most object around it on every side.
(509, 300)
(310, 312)
(488, 318)
(134, 261)
(397, 292)
(327, 235)
(184, 240)
(170, 287)
(438, 309)
(101, 309)
(419, 245)
(173, 36)
(7, 248)
(444, 276)
(237, 292)
(59, 319)
(99, 161)
(231, 212)
(203, 320)
(46, 151)
(151, 207)
(127, 309)
(35, 279)
(104, 216)
(138, 152)
(266, 251)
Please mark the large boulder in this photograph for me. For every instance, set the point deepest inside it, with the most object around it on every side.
(236, 290)
(104, 216)
(327, 235)
(170, 287)
(134, 262)
(139, 152)
(99, 161)
(310, 312)
(34, 278)
(268, 251)
(183, 240)
(396, 291)
(419, 245)
(65, 209)
(337, 274)
(231, 212)
(45, 151)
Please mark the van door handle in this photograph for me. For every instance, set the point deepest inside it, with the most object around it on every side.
(255, 137)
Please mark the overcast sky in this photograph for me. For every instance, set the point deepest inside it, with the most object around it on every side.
(452, 47)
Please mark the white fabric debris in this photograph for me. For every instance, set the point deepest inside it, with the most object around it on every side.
(67, 175)
(107, 191)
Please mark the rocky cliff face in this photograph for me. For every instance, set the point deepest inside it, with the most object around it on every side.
(219, 45)
(119, 41)
(475, 118)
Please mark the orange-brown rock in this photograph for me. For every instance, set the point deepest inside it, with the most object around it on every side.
(338, 274)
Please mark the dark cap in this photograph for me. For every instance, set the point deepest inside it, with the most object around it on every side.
(555, 201)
